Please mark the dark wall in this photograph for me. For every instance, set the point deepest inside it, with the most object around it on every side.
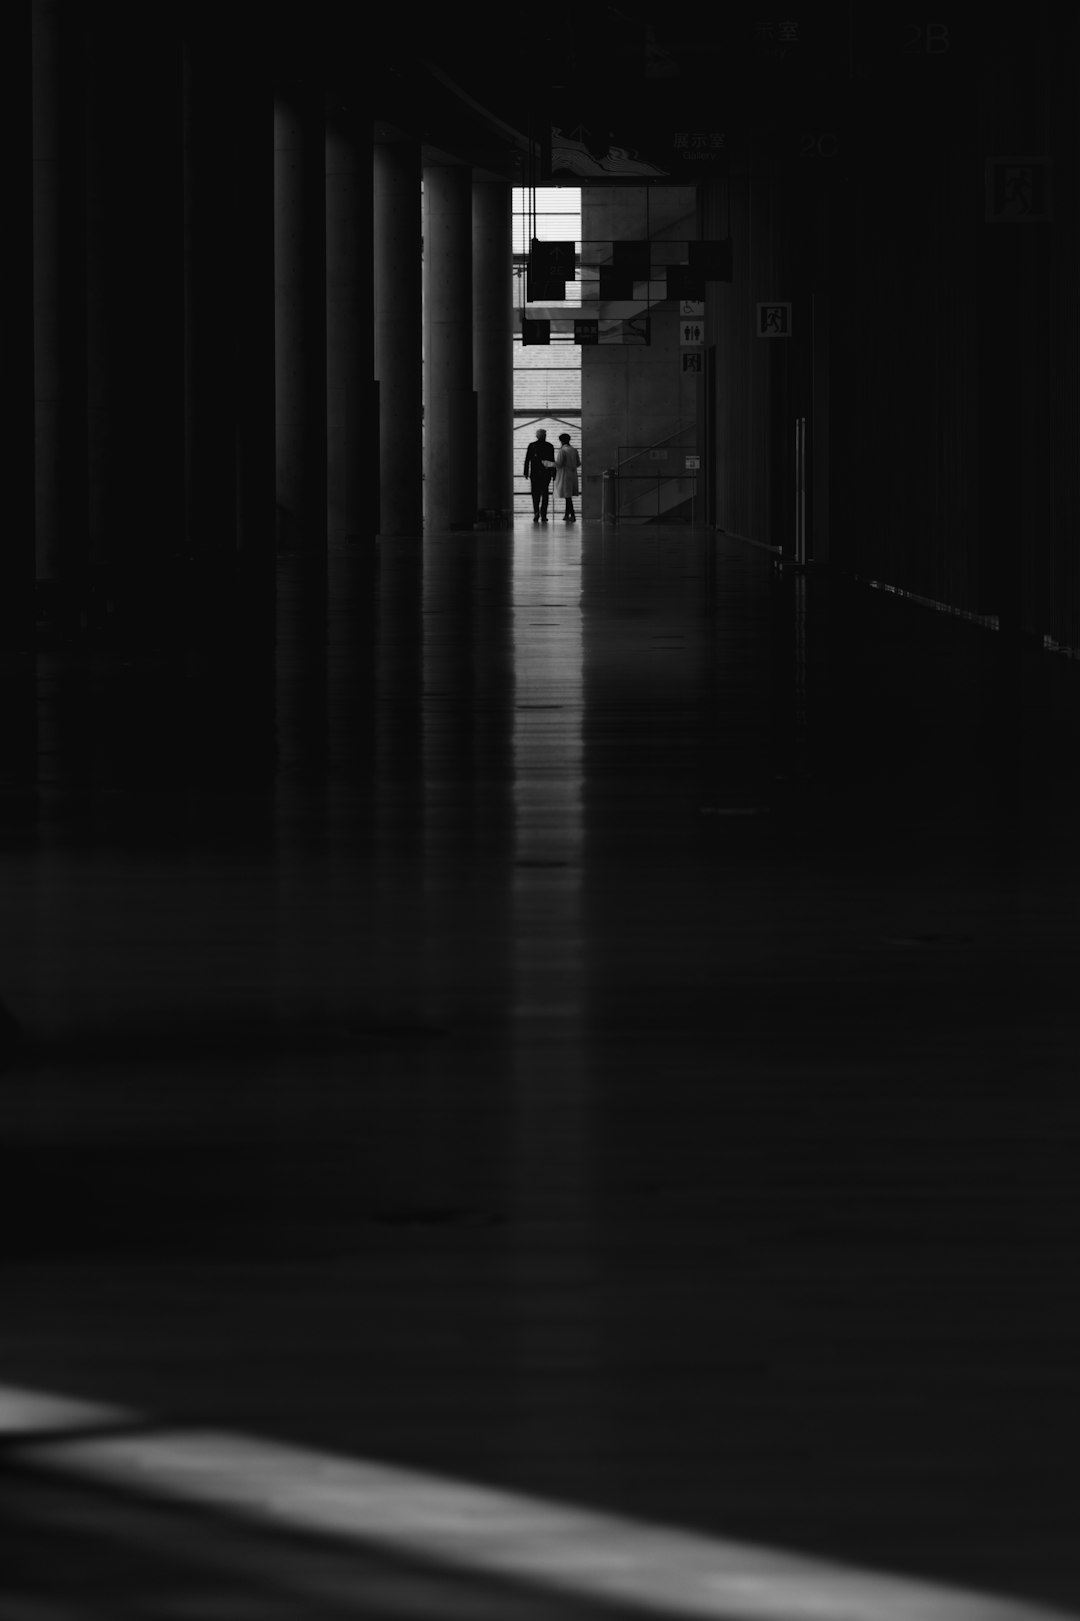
(1053, 379)
(904, 378)
(939, 349)
(761, 383)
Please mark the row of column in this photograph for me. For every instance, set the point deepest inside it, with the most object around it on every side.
(443, 341)
(185, 310)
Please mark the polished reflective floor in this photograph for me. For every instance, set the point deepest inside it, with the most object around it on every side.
(584, 1014)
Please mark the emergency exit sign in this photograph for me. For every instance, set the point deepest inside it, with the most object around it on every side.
(774, 320)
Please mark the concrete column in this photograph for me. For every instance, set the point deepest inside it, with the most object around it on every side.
(209, 311)
(134, 334)
(253, 315)
(450, 451)
(59, 320)
(350, 507)
(300, 320)
(17, 563)
(493, 343)
(398, 333)
(104, 232)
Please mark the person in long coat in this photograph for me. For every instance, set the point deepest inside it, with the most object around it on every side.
(567, 462)
(539, 466)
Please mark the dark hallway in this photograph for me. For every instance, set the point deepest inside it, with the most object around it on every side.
(538, 1063)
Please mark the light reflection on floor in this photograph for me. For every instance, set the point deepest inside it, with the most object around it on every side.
(647, 1570)
(588, 1017)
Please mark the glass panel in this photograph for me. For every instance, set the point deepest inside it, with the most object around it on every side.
(558, 215)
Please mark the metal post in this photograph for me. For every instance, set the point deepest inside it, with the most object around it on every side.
(800, 490)
(803, 491)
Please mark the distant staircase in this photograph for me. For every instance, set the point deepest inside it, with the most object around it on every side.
(653, 483)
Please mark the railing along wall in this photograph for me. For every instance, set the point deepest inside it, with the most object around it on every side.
(672, 464)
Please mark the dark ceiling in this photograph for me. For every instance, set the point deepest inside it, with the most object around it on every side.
(619, 73)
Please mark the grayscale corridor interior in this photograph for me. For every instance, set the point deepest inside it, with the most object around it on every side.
(538, 1007)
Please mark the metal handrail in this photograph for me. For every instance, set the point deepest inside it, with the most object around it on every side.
(661, 482)
(640, 450)
(614, 475)
(800, 491)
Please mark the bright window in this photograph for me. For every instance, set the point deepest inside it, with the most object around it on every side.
(547, 377)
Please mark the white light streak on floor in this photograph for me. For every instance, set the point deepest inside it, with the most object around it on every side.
(27, 1411)
(579, 1552)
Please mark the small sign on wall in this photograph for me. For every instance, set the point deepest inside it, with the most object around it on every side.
(691, 360)
(774, 320)
(1017, 191)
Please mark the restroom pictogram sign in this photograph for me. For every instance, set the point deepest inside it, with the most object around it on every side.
(691, 334)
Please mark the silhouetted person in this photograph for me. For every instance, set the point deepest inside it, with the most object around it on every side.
(567, 462)
(539, 467)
